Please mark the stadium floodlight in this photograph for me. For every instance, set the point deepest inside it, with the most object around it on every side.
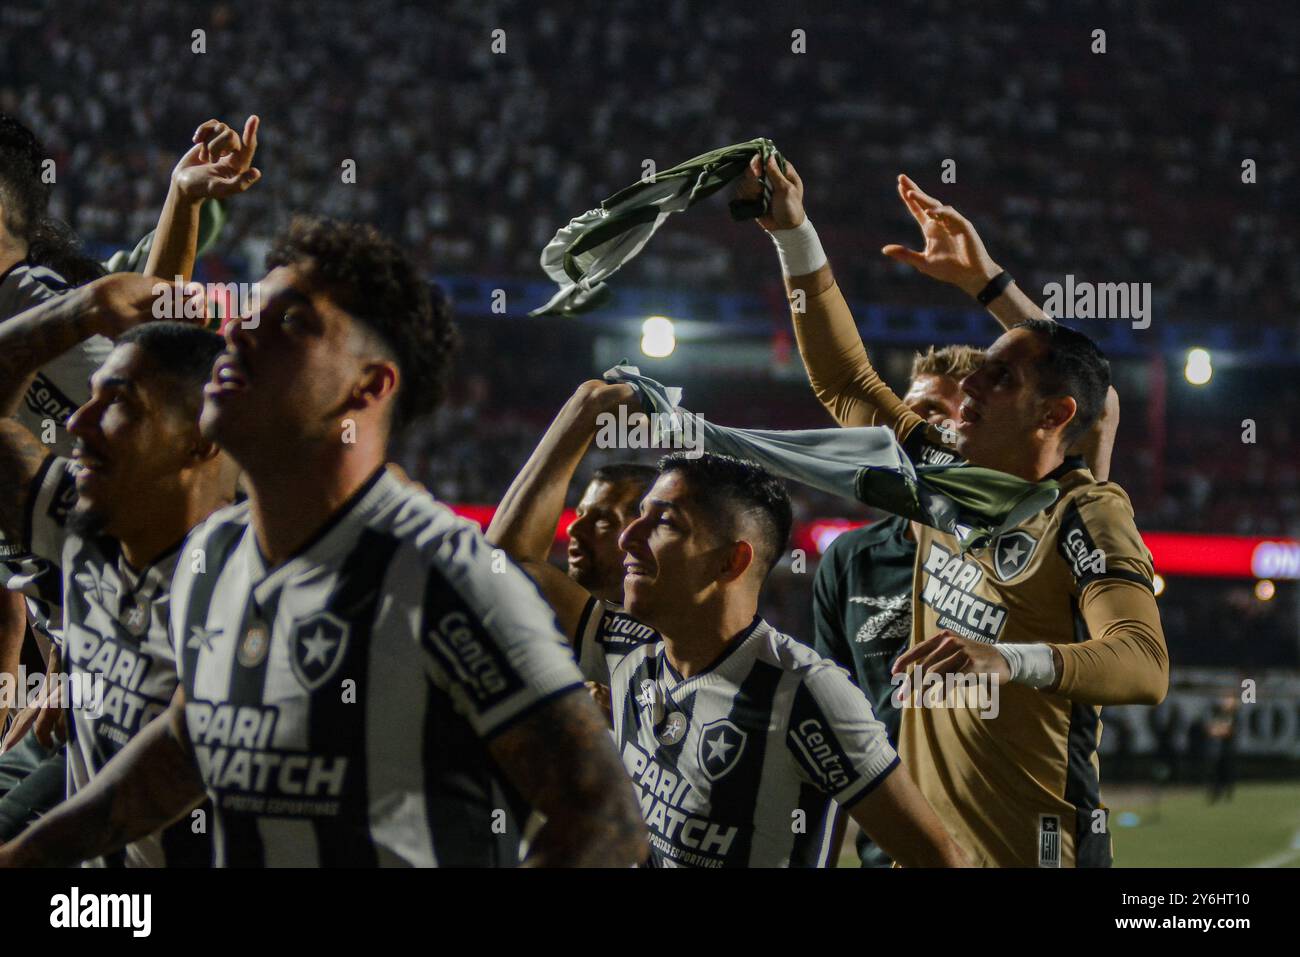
(1198, 370)
(1265, 589)
(657, 338)
(1158, 585)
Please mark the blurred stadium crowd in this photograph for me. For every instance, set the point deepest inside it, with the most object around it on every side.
(445, 133)
(1115, 168)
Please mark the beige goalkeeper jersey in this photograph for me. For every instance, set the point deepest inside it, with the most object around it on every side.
(1020, 788)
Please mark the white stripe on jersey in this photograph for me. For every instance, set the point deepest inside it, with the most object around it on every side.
(349, 691)
(770, 729)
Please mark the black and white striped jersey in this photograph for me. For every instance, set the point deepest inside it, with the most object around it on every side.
(745, 763)
(56, 392)
(117, 653)
(339, 704)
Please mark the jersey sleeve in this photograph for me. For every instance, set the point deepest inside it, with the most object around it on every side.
(837, 742)
(839, 371)
(606, 634)
(53, 493)
(1122, 658)
(491, 638)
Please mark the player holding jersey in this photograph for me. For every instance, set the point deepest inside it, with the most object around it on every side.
(361, 684)
(738, 738)
(1060, 610)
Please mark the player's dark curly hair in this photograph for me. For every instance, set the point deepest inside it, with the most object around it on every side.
(378, 285)
(25, 198)
(1073, 366)
(733, 487)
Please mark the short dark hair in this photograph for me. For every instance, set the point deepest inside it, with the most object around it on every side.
(183, 352)
(377, 283)
(632, 473)
(25, 197)
(731, 486)
(1073, 366)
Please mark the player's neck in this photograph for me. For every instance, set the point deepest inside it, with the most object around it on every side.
(169, 520)
(11, 253)
(287, 507)
(697, 642)
(1034, 465)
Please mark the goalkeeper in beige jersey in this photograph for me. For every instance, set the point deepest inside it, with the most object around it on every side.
(1060, 610)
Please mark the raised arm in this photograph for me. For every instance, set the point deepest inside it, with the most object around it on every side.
(150, 784)
(220, 164)
(955, 254)
(839, 371)
(525, 521)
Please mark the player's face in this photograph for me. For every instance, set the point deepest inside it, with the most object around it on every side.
(131, 445)
(287, 375)
(935, 398)
(1002, 410)
(595, 560)
(672, 556)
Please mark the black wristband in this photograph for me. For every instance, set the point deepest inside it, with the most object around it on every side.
(997, 285)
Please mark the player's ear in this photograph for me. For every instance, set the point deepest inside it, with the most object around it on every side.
(737, 559)
(378, 381)
(1058, 412)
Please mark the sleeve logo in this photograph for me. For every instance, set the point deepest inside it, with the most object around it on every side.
(1076, 546)
(472, 660)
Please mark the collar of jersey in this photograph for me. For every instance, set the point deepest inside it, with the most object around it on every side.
(1071, 463)
(338, 530)
(716, 671)
(10, 271)
(155, 578)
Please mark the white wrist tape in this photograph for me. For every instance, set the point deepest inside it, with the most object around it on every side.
(1032, 665)
(799, 248)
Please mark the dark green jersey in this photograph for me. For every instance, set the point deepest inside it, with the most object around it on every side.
(862, 618)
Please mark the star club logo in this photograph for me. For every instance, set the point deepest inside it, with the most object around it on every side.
(720, 748)
(317, 648)
(1011, 554)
